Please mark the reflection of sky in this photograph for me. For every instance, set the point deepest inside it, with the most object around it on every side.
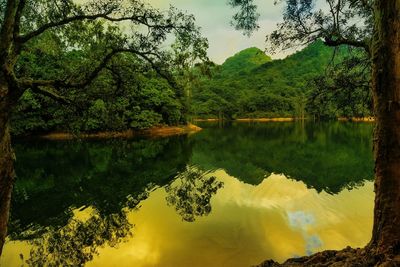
(303, 221)
(300, 219)
(278, 219)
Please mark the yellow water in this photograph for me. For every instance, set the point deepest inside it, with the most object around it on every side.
(278, 219)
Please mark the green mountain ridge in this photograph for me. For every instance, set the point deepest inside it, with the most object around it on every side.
(251, 84)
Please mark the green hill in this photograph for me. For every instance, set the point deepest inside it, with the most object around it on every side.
(244, 61)
(250, 84)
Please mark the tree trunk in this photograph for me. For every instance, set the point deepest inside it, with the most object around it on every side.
(386, 91)
(7, 174)
(7, 157)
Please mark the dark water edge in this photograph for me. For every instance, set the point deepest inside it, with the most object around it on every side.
(195, 180)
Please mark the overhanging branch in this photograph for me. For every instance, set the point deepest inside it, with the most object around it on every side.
(51, 88)
(139, 19)
(53, 94)
(342, 41)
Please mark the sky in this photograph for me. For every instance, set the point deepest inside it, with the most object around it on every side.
(214, 17)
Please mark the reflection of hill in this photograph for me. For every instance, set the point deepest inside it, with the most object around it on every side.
(324, 156)
(54, 177)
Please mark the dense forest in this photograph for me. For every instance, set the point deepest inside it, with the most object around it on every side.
(127, 95)
(251, 85)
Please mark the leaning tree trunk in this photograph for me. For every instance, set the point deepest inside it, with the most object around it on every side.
(6, 165)
(386, 91)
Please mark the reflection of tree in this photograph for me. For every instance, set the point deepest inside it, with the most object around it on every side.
(325, 156)
(77, 242)
(106, 175)
(191, 193)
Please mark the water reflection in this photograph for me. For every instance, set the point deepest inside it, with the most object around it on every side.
(76, 243)
(204, 200)
(53, 178)
(277, 219)
(325, 156)
(191, 193)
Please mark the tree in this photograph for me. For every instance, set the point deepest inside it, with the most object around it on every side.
(93, 30)
(373, 26)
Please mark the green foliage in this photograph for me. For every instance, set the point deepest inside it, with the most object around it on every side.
(145, 119)
(81, 54)
(244, 61)
(337, 22)
(125, 95)
(343, 91)
(249, 84)
(246, 16)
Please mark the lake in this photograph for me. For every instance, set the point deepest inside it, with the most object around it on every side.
(233, 194)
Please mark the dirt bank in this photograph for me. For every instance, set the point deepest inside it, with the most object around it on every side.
(159, 131)
(249, 119)
(264, 119)
(357, 119)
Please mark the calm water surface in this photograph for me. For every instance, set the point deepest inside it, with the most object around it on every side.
(231, 195)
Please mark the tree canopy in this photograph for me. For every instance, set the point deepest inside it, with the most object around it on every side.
(85, 37)
(336, 22)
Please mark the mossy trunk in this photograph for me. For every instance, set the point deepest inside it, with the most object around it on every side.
(386, 90)
(7, 173)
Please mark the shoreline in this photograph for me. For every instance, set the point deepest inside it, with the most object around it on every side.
(248, 120)
(290, 119)
(266, 119)
(357, 119)
(158, 131)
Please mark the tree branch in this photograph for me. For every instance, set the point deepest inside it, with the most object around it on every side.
(7, 27)
(47, 91)
(139, 19)
(42, 86)
(18, 15)
(342, 41)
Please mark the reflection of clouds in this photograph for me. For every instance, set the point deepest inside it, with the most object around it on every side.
(300, 219)
(313, 243)
(303, 221)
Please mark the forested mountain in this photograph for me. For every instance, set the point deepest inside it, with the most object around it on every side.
(250, 84)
